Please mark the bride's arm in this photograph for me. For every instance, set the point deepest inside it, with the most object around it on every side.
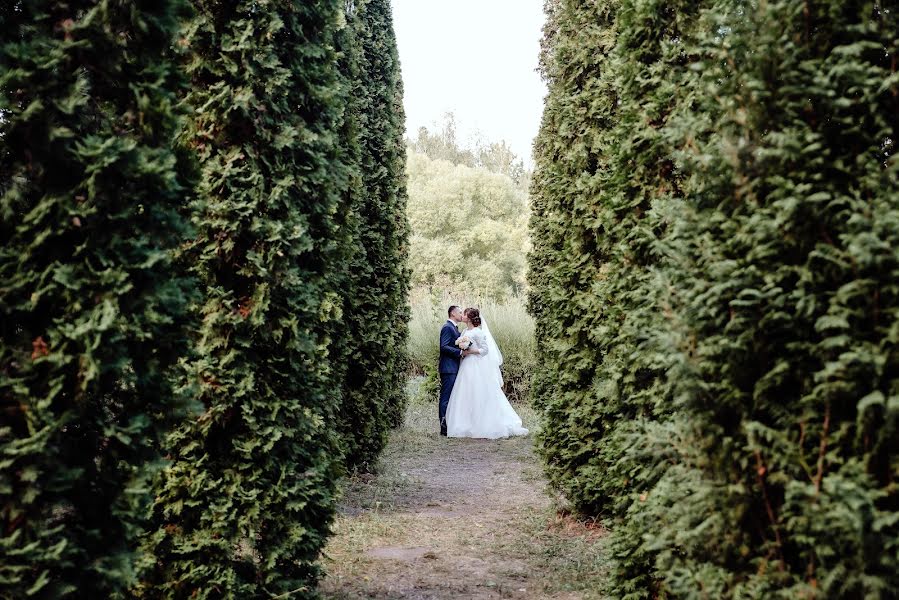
(481, 343)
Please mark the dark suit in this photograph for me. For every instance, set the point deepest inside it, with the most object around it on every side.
(450, 358)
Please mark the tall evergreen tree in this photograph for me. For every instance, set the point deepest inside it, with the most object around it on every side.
(595, 230)
(376, 309)
(566, 261)
(92, 303)
(737, 424)
(545, 228)
(603, 173)
(784, 479)
(246, 505)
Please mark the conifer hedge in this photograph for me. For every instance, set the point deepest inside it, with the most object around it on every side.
(714, 274)
(376, 312)
(92, 300)
(244, 509)
(276, 128)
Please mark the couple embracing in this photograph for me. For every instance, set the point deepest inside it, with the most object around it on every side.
(472, 402)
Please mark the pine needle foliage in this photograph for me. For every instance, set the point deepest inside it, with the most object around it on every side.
(93, 303)
(716, 224)
(376, 312)
(245, 507)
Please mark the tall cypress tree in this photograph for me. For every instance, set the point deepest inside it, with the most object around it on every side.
(784, 483)
(743, 440)
(92, 302)
(603, 196)
(246, 505)
(565, 261)
(596, 227)
(545, 232)
(376, 310)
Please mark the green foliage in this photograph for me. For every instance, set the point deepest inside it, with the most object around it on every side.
(591, 271)
(469, 228)
(92, 300)
(788, 257)
(509, 322)
(376, 309)
(468, 211)
(298, 243)
(715, 256)
(245, 506)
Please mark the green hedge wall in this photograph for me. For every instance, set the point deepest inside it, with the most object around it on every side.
(377, 311)
(92, 300)
(790, 309)
(714, 275)
(204, 239)
(245, 507)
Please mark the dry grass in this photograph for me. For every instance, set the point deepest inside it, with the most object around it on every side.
(509, 322)
(447, 518)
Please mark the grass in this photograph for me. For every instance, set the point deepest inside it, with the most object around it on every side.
(510, 324)
(569, 554)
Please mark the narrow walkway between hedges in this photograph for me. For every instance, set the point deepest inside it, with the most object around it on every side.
(448, 518)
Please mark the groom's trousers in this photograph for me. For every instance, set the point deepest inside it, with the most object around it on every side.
(447, 381)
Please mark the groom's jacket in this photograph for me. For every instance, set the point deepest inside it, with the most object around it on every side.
(450, 354)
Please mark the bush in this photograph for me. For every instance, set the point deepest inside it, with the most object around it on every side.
(92, 300)
(787, 291)
(244, 508)
(593, 289)
(378, 277)
(298, 245)
(509, 323)
(713, 278)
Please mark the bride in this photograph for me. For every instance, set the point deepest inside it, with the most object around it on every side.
(478, 407)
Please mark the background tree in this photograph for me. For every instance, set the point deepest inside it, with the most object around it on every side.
(244, 508)
(443, 143)
(377, 309)
(469, 228)
(92, 302)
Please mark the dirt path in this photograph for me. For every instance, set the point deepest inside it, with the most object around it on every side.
(447, 518)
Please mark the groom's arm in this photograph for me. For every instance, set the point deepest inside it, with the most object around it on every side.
(448, 344)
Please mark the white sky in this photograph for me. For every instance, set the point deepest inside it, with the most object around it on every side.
(476, 58)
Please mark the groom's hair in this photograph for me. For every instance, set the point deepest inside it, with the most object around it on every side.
(449, 312)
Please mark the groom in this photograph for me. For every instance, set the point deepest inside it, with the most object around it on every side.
(450, 357)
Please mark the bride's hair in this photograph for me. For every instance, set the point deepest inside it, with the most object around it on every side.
(474, 315)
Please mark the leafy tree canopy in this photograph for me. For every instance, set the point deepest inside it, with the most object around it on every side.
(469, 227)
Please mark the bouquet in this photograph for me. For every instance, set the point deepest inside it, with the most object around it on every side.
(464, 342)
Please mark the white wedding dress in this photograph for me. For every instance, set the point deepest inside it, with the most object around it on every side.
(478, 408)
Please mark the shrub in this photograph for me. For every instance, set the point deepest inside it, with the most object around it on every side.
(788, 309)
(92, 300)
(594, 291)
(376, 307)
(245, 506)
(714, 234)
